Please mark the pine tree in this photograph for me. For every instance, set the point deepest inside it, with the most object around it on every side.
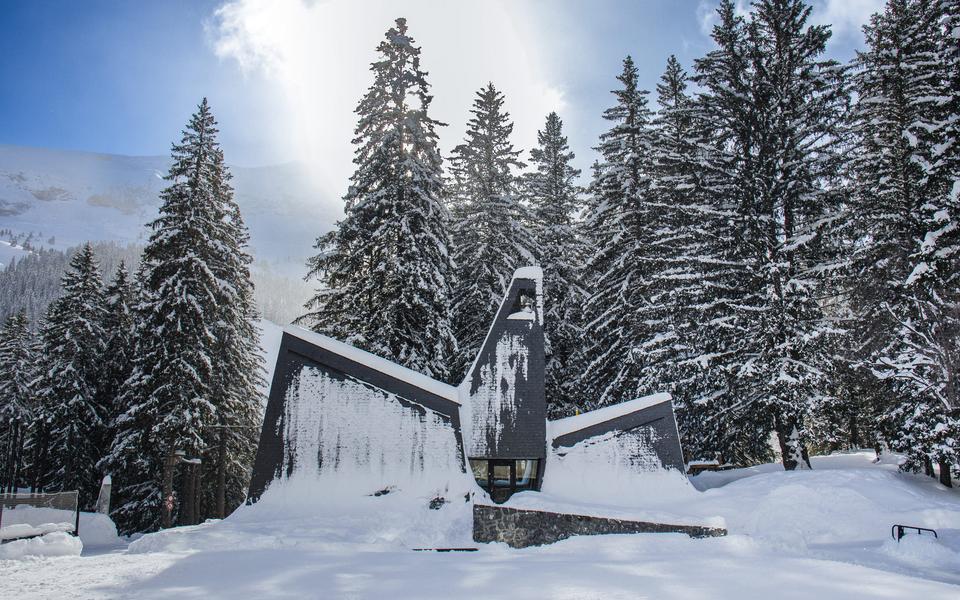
(118, 330)
(555, 200)
(621, 217)
(774, 106)
(682, 281)
(240, 373)
(17, 371)
(903, 217)
(491, 238)
(194, 374)
(73, 420)
(386, 271)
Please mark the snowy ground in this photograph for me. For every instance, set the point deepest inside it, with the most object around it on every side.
(817, 534)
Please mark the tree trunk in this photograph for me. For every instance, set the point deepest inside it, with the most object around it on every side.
(793, 453)
(945, 477)
(928, 467)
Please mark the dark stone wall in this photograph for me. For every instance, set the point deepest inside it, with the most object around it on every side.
(522, 528)
(294, 355)
(658, 417)
(523, 434)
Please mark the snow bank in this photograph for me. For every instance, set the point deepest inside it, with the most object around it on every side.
(57, 543)
(96, 530)
(922, 551)
(293, 514)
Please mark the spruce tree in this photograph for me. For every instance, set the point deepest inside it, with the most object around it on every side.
(903, 219)
(554, 196)
(683, 281)
(620, 221)
(491, 238)
(73, 421)
(386, 271)
(195, 364)
(118, 330)
(774, 106)
(17, 371)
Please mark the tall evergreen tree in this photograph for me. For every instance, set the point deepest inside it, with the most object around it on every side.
(683, 280)
(621, 218)
(554, 196)
(118, 330)
(775, 106)
(386, 271)
(73, 420)
(193, 369)
(17, 371)
(491, 238)
(904, 219)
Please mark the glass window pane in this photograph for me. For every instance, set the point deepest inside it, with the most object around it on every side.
(479, 468)
(526, 472)
(501, 475)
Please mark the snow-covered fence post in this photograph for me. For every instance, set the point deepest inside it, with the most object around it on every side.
(103, 499)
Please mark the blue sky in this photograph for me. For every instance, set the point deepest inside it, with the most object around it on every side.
(283, 76)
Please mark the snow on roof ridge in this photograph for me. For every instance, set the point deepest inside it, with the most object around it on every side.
(567, 425)
(530, 272)
(387, 367)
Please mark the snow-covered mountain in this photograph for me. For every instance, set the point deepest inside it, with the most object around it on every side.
(74, 196)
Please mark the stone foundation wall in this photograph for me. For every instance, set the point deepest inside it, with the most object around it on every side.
(522, 528)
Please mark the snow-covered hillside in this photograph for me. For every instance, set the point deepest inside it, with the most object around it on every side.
(821, 534)
(74, 197)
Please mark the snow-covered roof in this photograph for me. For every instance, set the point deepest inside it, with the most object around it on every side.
(377, 363)
(575, 423)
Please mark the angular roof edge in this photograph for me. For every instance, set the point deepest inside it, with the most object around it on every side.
(377, 363)
(567, 425)
(534, 274)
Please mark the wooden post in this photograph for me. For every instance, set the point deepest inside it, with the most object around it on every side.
(222, 473)
(167, 501)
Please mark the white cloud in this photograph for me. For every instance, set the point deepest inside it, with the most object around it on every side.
(317, 56)
(847, 17)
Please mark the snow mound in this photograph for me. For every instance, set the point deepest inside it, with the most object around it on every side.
(922, 551)
(284, 517)
(57, 543)
(96, 530)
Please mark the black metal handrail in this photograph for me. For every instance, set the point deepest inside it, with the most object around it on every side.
(897, 531)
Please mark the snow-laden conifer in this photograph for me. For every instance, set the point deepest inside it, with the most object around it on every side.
(620, 219)
(71, 422)
(385, 271)
(554, 196)
(17, 371)
(118, 330)
(491, 237)
(903, 217)
(773, 105)
(195, 365)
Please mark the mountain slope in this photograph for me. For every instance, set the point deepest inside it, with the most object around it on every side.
(78, 196)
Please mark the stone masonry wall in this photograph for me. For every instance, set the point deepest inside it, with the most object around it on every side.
(522, 528)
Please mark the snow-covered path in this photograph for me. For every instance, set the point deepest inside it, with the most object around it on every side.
(604, 567)
(822, 534)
